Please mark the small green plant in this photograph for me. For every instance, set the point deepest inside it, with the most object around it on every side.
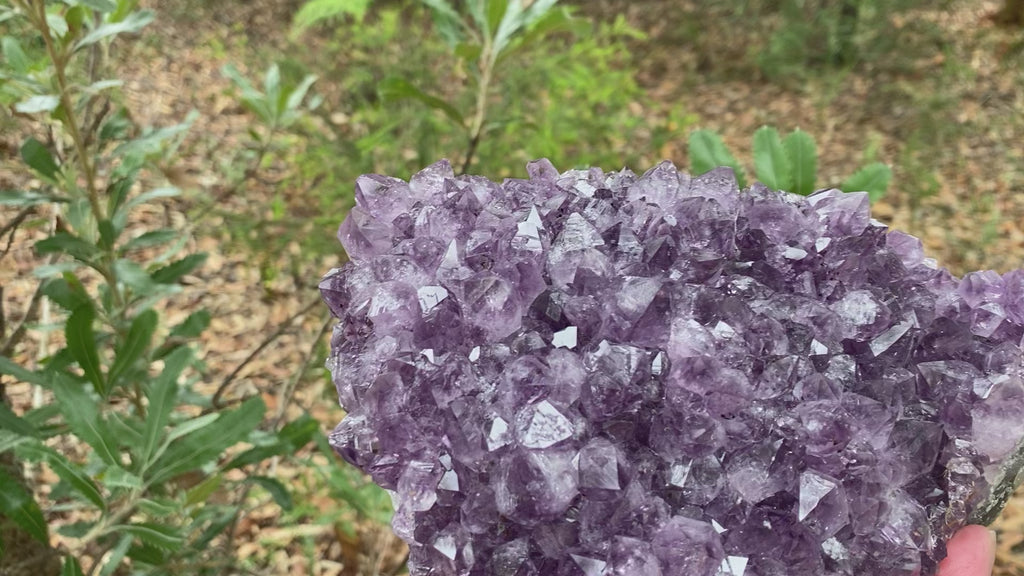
(139, 450)
(789, 163)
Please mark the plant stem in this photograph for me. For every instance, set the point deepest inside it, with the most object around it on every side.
(487, 60)
(59, 63)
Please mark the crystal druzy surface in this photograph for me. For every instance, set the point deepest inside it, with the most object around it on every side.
(595, 373)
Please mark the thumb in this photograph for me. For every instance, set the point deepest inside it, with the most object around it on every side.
(971, 552)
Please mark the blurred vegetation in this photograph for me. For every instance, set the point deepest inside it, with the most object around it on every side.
(337, 88)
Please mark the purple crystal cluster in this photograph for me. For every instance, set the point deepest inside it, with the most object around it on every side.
(604, 374)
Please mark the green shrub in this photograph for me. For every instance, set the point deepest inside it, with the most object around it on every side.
(789, 164)
(122, 383)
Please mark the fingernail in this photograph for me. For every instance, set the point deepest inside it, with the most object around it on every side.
(992, 535)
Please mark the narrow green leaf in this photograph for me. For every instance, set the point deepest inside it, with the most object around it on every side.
(148, 555)
(18, 505)
(192, 326)
(167, 192)
(133, 23)
(66, 471)
(161, 394)
(770, 162)
(707, 152)
(288, 441)
(207, 443)
(398, 88)
(803, 159)
(81, 342)
(166, 537)
(134, 346)
(38, 104)
(71, 567)
(173, 272)
(159, 507)
(873, 179)
(132, 275)
(102, 6)
(108, 235)
(200, 492)
(150, 239)
(276, 490)
(83, 418)
(7, 366)
(117, 554)
(298, 94)
(27, 198)
(512, 22)
(38, 158)
(317, 11)
(66, 291)
(64, 242)
(14, 55)
(11, 421)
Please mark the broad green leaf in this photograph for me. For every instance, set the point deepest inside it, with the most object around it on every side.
(161, 394)
(317, 11)
(116, 556)
(27, 198)
(398, 88)
(38, 104)
(14, 55)
(81, 415)
(18, 505)
(150, 239)
(71, 567)
(200, 492)
(65, 471)
(873, 179)
(134, 346)
(133, 23)
(38, 158)
(64, 242)
(770, 162)
(207, 443)
(58, 26)
(173, 272)
(166, 537)
(537, 10)
(496, 10)
(11, 421)
(803, 159)
(81, 342)
(276, 490)
(7, 366)
(707, 152)
(192, 326)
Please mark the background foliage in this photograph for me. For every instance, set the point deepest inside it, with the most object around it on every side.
(175, 171)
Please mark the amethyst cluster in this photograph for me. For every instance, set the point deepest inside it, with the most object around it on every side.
(600, 374)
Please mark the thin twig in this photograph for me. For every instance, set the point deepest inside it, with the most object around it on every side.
(12, 228)
(284, 327)
(289, 390)
(30, 316)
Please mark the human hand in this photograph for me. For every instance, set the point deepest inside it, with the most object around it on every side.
(971, 552)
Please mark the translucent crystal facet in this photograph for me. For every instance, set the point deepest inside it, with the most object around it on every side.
(605, 374)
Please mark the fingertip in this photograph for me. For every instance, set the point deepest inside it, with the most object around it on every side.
(971, 552)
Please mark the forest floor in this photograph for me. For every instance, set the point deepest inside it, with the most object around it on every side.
(971, 218)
